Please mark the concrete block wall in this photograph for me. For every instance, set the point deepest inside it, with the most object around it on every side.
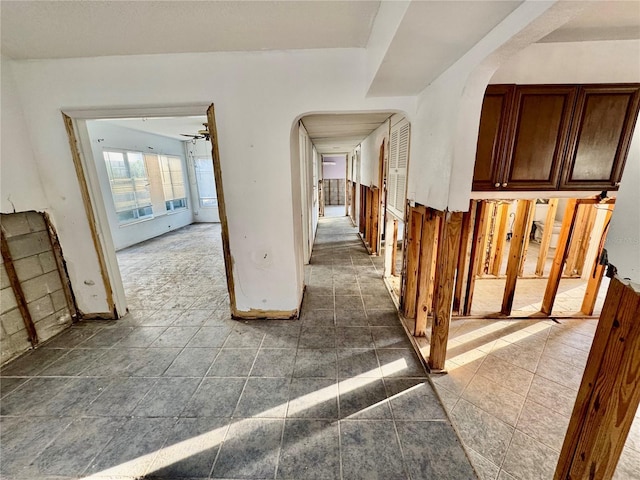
(35, 263)
(335, 193)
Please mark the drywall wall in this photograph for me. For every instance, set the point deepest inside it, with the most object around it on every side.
(573, 62)
(370, 154)
(20, 185)
(257, 101)
(623, 239)
(104, 136)
(338, 170)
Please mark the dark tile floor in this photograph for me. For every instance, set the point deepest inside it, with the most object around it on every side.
(177, 389)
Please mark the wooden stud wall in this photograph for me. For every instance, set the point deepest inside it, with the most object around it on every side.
(545, 243)
(414, 237)
(427, 270)
(464, 257)
(516, 250)
(447, 261)
(609, 393)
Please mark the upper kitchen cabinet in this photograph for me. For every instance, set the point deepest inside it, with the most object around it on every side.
(603, 123)
(492, 135)
(539, 134)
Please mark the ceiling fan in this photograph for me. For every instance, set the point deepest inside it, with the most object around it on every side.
(202, 134)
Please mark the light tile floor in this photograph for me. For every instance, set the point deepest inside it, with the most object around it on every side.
(510, 390)
(177, 389)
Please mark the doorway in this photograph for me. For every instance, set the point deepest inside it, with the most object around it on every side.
(334, 176)
(149, 193)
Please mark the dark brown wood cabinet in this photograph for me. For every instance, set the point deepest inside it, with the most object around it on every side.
(490, 153)
(541, 118)
(603, 123)
(554, 137)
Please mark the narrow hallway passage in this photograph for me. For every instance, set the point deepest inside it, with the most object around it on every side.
(338, 394)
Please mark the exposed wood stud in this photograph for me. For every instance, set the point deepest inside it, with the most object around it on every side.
(527, 236)
(394, 252)
(375, 220)
(222, 209)
(88, 208)
(427, 270)
(560, 257)
(597, 272)
(546, 236)
(516, 250)
(500, 238)
(609, 393)
(17, 290)
(464, 256)
(416, 216)
(475, 255)
(62, 269)
(447, 260)
(486, 237)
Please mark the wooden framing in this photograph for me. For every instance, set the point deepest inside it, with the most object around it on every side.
(62, 269)
(394, 252)
(375, 220)
(609, 394)
(464, 256)
(585, 219)
(447, 260)
(91, 219)
(412, 253)
(546, 236)
(516, 250)
(475, 254)
(597, 272)
(426, 270)
(321, 198)
(486, 236)
(362, 221)
(500, 238)
(353, 202)
(369, 219)
(17, 290)
(527, 236)
(560, 257)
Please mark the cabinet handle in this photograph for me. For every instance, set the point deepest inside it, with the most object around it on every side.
(617, 184)
(497, 185)
(504, 184)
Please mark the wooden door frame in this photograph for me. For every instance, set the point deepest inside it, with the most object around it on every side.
(86, 172)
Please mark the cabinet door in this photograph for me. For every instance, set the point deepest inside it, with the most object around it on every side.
(492, 136)
(542, 115)
(601, 132)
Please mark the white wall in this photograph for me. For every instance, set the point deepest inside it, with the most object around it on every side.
(370, 154)
(20, 185)
(573, 62)
(623, 239)
(106, 136)
(258, 102)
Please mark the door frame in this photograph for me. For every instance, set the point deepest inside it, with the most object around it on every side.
(75, 121)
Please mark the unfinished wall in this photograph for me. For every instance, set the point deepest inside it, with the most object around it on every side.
(371, 153)
(334, 191)
(33, 257)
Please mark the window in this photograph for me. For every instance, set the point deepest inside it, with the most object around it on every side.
(129, 185)
(206, 182)
(173, 182)
(145, 185)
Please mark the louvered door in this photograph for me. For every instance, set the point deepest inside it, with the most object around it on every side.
(398, 162)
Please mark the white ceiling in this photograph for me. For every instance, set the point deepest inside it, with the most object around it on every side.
(61, 29)
(605, 20)
(341, 133)
(171, 127)
(430, 38)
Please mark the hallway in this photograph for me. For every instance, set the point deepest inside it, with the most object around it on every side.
(338, 394)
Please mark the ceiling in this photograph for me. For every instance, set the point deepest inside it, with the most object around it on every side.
(171, 127)
(62, 29)
(341, 133)
(606, 20)
(430, 38)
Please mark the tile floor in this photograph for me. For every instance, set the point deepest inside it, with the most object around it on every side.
(177, 389)
(510, 390)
